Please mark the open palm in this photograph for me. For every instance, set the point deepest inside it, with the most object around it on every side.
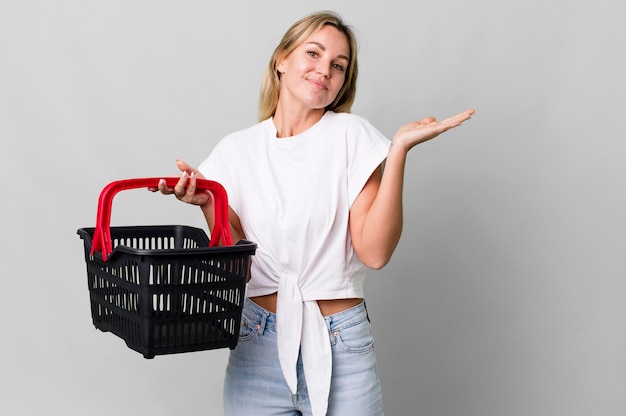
(417, 132)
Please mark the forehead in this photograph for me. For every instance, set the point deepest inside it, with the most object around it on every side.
(330, 39)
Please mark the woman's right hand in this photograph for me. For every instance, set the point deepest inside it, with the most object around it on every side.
(185, 189)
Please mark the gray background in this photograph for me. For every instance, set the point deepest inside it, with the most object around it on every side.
(506, 294)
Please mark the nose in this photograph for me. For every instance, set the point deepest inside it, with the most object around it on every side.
(323, 68)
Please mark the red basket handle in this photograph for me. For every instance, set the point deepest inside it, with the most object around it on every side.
(101, 240)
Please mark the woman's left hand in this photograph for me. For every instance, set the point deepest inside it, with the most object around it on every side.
(417, 132)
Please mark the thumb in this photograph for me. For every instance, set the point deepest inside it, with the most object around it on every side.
(184, 166)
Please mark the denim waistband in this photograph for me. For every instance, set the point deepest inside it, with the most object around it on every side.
(256, 313)
(343, 319)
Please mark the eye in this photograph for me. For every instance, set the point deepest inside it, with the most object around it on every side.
(339, 67)
(312, 54)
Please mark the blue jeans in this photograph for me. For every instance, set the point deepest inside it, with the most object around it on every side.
(254, 383)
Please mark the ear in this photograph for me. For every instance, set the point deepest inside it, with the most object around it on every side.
(280, 64)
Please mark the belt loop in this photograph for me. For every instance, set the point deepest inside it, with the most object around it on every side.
(262, 322)
(366, 313)
(331, 336)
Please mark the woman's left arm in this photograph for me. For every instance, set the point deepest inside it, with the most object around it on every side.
(376, 214)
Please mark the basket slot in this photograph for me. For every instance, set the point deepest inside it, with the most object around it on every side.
(148, 243)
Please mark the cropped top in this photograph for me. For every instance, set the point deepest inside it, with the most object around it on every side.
(293, 197)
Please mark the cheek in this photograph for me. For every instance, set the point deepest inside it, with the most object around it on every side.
(298, 64)
(305, 67)
(338, 82)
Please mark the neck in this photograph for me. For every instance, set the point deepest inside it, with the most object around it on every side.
(291, 123)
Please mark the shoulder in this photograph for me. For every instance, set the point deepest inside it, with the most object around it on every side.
(248, 133)
(354, 126)
(347, 119)
(243, 139)
(352, 123)
(232, 152)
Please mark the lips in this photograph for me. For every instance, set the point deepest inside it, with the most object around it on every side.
(319, 84)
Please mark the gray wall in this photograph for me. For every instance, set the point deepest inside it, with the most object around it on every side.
(506, 294)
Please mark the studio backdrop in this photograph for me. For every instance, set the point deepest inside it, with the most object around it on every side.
(506, 294)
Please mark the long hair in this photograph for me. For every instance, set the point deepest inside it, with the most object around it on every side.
(294, 37)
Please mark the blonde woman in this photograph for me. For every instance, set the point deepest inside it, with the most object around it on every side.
(307, 185)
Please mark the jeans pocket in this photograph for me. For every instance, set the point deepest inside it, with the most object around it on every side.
(247, 329)
(355, 338)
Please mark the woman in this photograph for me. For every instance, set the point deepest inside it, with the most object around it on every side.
(307, 185)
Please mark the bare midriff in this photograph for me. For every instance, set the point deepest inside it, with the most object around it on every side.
(327, 306)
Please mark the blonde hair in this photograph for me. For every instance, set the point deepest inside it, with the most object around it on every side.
(293, 38)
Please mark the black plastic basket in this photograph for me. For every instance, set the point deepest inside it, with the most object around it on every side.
(166, 289)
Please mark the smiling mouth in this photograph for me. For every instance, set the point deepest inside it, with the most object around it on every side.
(318, 84)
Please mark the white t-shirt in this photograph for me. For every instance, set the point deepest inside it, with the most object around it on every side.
(293, 197)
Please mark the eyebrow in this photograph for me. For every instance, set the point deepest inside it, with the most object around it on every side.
(322, 47)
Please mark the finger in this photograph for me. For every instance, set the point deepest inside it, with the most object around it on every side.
(459, 118)
(425, 121)
(162, 187)
(456, 118)
(179, 189)
(185, 167)
(465, 115)
(191, 187)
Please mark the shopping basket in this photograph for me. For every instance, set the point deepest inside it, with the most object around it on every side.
(166, 289)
